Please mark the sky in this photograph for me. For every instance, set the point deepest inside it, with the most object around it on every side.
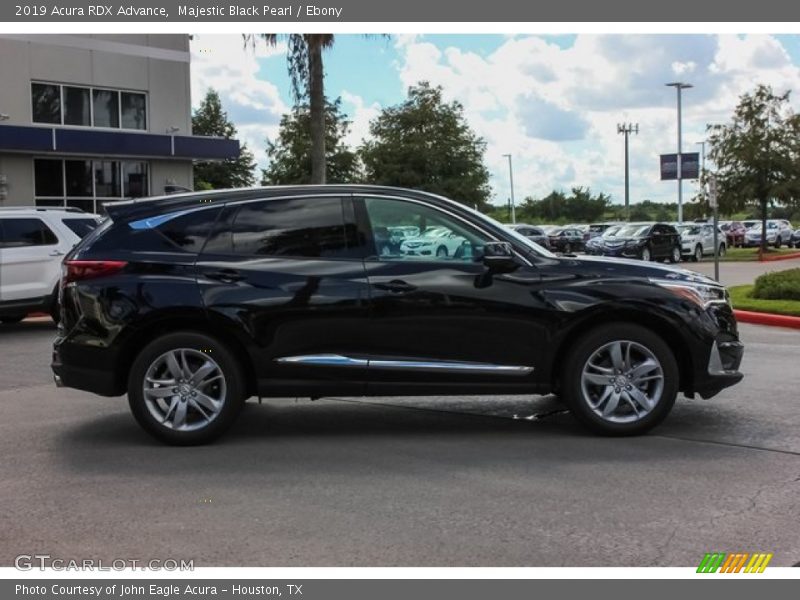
(552, 102)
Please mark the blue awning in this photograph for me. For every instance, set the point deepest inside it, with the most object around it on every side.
(93, 142)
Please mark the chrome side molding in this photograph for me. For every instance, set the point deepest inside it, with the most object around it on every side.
(440, 366)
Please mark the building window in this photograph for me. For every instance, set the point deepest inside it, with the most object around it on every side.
(77, 108)
(86, 184)
(46, 101)
(87, 106)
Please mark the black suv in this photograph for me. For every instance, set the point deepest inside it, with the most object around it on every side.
(192, 303)
(646, 241)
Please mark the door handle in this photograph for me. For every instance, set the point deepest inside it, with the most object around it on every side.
(396, 286)
(57, 253)
(225, 275)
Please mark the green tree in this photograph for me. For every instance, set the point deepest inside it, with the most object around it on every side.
(757, 154)
(210, 119)
(304, 61)
(426, 143)
(290, 154)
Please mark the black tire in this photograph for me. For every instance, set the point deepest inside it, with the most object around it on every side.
(232, 402)
(12, 319)
(778, 242)
(697, 255)
(722, 250)
(441, 252)
(571, 375)
(646, 254)
(675, 255)
(568, 249)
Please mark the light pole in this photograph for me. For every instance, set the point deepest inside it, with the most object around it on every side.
(702, 167)
(511, 180)
(679, 87)
(627, 130)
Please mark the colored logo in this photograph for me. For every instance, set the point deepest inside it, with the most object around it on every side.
(735, 562)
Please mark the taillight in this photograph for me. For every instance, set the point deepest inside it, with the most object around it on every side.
(80, 270)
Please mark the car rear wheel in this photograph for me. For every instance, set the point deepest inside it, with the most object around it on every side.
(185, 388)
(698, 253)
(646, 256)
(441, 252)
(620, 379)
(721, 250)
(675, 255)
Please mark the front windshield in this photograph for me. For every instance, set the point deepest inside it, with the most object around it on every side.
(518, 237)
(632, 231)
(611, 231)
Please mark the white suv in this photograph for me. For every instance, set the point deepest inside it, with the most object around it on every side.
(33, 242)
(697, 240)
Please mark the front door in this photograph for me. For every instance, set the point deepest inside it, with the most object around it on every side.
(439, 315)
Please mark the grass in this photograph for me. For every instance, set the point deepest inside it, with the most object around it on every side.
(742, 299)
(749, 254)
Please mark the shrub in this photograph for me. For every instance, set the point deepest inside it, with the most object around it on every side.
(779, 285)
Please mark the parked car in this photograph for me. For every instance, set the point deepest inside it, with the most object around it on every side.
(32, 243)
(646, 241)
(697, 240)
(779, 232)
(597, 229)
(594, 246)
(734, 233)
(192, 303)
(566, 240)
(533, 233)
(434, 241)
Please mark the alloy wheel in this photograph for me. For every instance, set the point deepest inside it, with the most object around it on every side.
(622, 381)
(646, 254)
(184, 389)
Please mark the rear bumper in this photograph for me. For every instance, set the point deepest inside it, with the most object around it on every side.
(89, 379)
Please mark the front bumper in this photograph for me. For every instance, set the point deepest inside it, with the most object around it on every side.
(723, 368)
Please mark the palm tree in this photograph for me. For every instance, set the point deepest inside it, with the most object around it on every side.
(304, 60)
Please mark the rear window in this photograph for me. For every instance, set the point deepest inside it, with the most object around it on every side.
(18, 233)
(81, 227)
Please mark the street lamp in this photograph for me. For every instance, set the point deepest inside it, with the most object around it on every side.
(679, 86)
(627, 130)
(511, 180)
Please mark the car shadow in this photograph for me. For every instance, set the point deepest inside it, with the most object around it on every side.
(328, 435)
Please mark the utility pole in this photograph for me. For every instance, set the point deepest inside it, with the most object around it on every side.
(511, 180)
(627, 130)
(679, 87)
(702, 167)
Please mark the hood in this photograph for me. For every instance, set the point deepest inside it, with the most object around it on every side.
(623, 267)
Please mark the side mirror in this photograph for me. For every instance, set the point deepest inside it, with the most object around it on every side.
(499, 256)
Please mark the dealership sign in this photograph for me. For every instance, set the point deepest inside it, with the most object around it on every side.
(690, 166)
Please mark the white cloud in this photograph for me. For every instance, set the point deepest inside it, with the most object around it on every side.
(556, 109)
(227, 64)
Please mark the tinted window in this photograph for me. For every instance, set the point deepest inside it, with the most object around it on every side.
(76, 106)
(48, 177)
(309, 227)
(189, 232)
(133, 110)
(46, 103)
(78, 175)
(26, 232)
(106, 108)
(80, 227)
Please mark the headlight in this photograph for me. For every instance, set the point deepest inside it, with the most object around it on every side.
(702, 294)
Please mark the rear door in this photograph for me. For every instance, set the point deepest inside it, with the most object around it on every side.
(289, 272)
(31, 259)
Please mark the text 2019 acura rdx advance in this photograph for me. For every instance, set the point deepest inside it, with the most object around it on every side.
(192, 303)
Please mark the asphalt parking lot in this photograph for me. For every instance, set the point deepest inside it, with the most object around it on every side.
(509, 481)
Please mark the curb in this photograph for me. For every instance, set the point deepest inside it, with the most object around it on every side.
(771, 319)
(791, 256)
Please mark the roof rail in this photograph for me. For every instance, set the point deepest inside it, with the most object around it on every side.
(72, 209)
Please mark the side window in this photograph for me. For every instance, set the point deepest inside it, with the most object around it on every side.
(404, 230)
(18, 233)
(189, 231)
(300, 227)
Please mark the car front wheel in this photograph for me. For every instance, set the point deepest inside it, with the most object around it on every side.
(646, 256)
(675, 256)
(185, 388)
(620, 379)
